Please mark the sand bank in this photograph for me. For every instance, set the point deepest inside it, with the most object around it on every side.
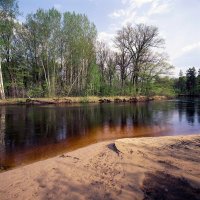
(138, 168)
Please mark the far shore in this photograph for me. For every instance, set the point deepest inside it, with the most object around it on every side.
(132, 168)
(87, 99)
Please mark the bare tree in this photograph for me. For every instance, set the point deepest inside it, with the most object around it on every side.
(111, 67)
(123, 60)
(156, 66)
(102, 54)
(138, 41)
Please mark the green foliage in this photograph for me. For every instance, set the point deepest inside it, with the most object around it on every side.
(55, 54)
(36, 91)
(191, 80)
(181, 84)
(188, 84)
(163, 87)
(93, 85)
(198, 83)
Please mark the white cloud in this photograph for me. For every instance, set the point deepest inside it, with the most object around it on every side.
(139, 11)
(186, 50)
(142, 19)
(137, 3)
(159, 7)
(118, 13)
(176, 23)
(135, 11)
(129, 18)
(107, 38)
(186, 57)
(113, 28)
(191, 47)
(126, 15)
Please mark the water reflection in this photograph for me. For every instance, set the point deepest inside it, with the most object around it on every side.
(189, 108)
(30, 133)
(2, 129)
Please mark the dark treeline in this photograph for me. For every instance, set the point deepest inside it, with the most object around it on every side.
(188, 84)
(57, 54)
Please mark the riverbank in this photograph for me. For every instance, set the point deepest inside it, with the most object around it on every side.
(89, 99)
(137, 168)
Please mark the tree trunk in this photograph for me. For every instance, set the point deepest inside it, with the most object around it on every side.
(2, 94)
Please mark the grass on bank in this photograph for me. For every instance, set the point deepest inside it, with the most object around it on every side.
(86, 99)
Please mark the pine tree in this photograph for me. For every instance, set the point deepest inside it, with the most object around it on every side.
(191, 80)
(198, 83)
(181, 83)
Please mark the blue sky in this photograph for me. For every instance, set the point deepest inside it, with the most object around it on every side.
(177, 20)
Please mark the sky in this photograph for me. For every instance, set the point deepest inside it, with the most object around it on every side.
(178, 22)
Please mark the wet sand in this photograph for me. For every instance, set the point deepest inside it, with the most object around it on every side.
(138, 168)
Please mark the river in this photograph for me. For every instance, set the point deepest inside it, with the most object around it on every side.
(32, 133)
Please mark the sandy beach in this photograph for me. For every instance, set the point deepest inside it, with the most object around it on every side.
(137, 168)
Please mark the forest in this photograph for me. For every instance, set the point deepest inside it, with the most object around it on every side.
(188, 84)
(59, 54)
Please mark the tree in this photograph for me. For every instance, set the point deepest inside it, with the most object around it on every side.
(2, 93)
(43, 29)
(60, 52)
(198, 83)
(79, 36)
(191, 80)
(110, 68)
(137, 58)
(156, 66)
(94, 84)
(55, 54)
(102, 53)
(163, 86)
(123, 60)
(181, 84)
(8, 13)
(139, 41)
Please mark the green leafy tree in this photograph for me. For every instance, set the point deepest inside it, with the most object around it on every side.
(55, 54)
(163, 86)
(79, 36)
(94, 84)
(8, 14)
(42, 42)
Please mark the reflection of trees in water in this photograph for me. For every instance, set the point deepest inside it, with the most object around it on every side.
(142, 115)
(28, 126)
(2, 128)
(198, 112)
(180, 107)
(190, 112)
(190, 108)
(16, 120)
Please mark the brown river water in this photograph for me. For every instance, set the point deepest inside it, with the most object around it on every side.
(33, 133)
